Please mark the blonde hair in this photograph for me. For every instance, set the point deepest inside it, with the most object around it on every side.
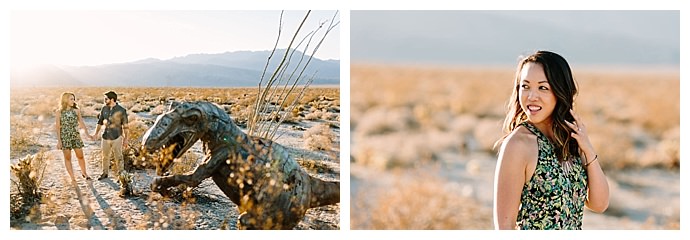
(64, 99)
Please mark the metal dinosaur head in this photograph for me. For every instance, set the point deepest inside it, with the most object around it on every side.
(175, 131)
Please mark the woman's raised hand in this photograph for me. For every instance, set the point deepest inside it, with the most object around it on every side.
(580, 135)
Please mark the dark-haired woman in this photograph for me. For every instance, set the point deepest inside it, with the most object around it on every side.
(547, 169)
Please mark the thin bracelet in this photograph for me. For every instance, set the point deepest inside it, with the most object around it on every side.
(596, 157)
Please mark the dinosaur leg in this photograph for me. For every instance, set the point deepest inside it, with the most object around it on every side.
(202, 172)
(163, 183)
(222, 180)
(323, 192)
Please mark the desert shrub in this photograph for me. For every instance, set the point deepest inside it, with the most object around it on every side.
(670, 146)
(240, 114)
(139, 108)
(319, 137)
(24, 133)
(159, 109)
(664, 153)
(41, 107)
(395, 150)
(463, 124)
(16, 106)
(487, 132)
(132, 156)
(90, 109)
(247, 100)
(382, 120)
(135, 159)
(330, 116)
(137, 128)
(417, 200)
(125, 180)
(313, 115)
(430, 117)
(27, 175)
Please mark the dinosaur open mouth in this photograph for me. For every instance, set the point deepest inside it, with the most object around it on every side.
(174, 148)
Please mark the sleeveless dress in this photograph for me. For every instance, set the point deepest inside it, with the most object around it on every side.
(552, 199)
(68, 130)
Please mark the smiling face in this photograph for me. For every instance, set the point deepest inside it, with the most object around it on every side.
(536, 96)
(70, 100)
(67, 100)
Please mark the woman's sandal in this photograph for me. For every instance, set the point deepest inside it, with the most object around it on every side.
(86, 177)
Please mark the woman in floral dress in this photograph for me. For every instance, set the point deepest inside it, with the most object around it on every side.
(547, 170)
(67, 119)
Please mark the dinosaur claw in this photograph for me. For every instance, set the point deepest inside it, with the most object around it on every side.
(155, 185)
(158, 186)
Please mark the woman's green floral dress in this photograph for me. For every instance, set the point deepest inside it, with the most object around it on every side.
(552, 199)
(68, 130)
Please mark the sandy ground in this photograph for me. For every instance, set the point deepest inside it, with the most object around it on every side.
(96, 205)
(640, 199)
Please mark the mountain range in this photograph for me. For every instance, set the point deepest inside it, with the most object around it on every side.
(229, 69)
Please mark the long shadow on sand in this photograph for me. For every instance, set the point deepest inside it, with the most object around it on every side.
(116, 222)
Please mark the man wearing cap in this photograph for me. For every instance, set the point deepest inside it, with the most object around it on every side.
(114, 118)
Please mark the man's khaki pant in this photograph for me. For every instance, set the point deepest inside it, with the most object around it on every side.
(112, 149)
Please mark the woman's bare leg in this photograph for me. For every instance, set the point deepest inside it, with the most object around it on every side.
(68, 163)
(82, 164)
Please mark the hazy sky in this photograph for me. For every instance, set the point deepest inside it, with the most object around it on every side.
(499, 37)
(102, 37)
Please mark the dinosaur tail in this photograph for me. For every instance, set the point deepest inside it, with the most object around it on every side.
(324, 192)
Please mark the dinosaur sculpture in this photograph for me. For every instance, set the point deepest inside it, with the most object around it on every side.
(269, 187)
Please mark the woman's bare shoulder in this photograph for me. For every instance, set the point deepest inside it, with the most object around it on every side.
(519, 142)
